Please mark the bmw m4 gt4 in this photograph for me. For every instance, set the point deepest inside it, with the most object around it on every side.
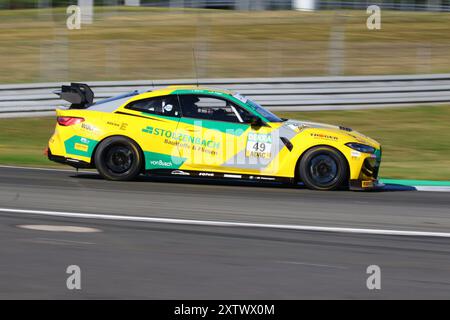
(204, 132)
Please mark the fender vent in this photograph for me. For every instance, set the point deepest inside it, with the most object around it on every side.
(287, 143)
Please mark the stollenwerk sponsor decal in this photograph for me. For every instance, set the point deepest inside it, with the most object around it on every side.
(195, 148)
(181, 137)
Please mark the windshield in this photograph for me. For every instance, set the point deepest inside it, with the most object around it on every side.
(263, 112)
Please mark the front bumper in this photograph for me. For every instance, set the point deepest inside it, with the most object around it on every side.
(368, 177)
(361, 185)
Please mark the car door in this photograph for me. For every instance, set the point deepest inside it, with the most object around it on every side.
(218, 136)
(158, 118)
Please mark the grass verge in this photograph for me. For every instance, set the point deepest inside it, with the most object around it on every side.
(156, 43)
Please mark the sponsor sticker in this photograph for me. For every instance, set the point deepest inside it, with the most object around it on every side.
(88, 127)
(180, 173)
(161, 163)
(266, 178)
(206, 174)
(259, 145)
(81, 147)
(168, 107)
(240, 97)
(356, 154)
(114, 124)
(234, 176)
(178, 137)
(324, 136)
(295, 127)
(367, 184)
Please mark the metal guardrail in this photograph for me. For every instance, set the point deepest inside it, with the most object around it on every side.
(408, 5)
(282, 94)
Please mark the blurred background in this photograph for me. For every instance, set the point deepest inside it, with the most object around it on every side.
(311, 60)
(259, 38)
(155, 40)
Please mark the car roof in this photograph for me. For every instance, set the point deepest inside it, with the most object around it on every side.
(183, 89)
(111, 104)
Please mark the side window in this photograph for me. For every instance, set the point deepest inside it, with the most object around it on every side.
(211, 108)
(163, 106)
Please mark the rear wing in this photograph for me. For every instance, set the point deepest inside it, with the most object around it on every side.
(80, 95)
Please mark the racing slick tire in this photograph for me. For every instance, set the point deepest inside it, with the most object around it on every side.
(118, 158)
(323, 168)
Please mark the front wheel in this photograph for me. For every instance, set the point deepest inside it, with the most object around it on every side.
(119, 159)
(323, 168)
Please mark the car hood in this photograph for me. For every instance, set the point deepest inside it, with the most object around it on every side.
(350, 134)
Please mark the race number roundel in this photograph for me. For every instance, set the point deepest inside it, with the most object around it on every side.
(259, 145)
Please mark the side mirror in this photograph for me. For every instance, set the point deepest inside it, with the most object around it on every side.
(255, 121)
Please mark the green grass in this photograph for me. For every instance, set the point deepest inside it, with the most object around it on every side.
(23, 140)
(416, 141)
(156, 43)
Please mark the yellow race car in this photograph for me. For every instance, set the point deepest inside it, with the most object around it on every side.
(204, 132)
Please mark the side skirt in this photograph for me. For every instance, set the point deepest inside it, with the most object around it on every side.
(218, 175)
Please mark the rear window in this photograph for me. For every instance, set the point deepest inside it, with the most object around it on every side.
(163, 106)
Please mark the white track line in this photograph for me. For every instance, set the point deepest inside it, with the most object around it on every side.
(229, 224)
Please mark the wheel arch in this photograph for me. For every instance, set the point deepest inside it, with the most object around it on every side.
(297, 171)
(121, 136)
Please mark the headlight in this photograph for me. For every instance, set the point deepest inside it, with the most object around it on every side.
(360, 147)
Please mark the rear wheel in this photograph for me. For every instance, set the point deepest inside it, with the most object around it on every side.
(118, 158)
(323, 168)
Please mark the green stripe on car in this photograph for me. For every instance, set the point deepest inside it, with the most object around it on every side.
(154, 160)
(80, 146)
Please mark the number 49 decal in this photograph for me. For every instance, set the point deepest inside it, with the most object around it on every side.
(259, 145)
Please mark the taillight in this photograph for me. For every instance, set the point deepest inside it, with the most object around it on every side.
(69, 121)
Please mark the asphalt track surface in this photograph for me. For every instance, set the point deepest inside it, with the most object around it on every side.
(127, 259)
